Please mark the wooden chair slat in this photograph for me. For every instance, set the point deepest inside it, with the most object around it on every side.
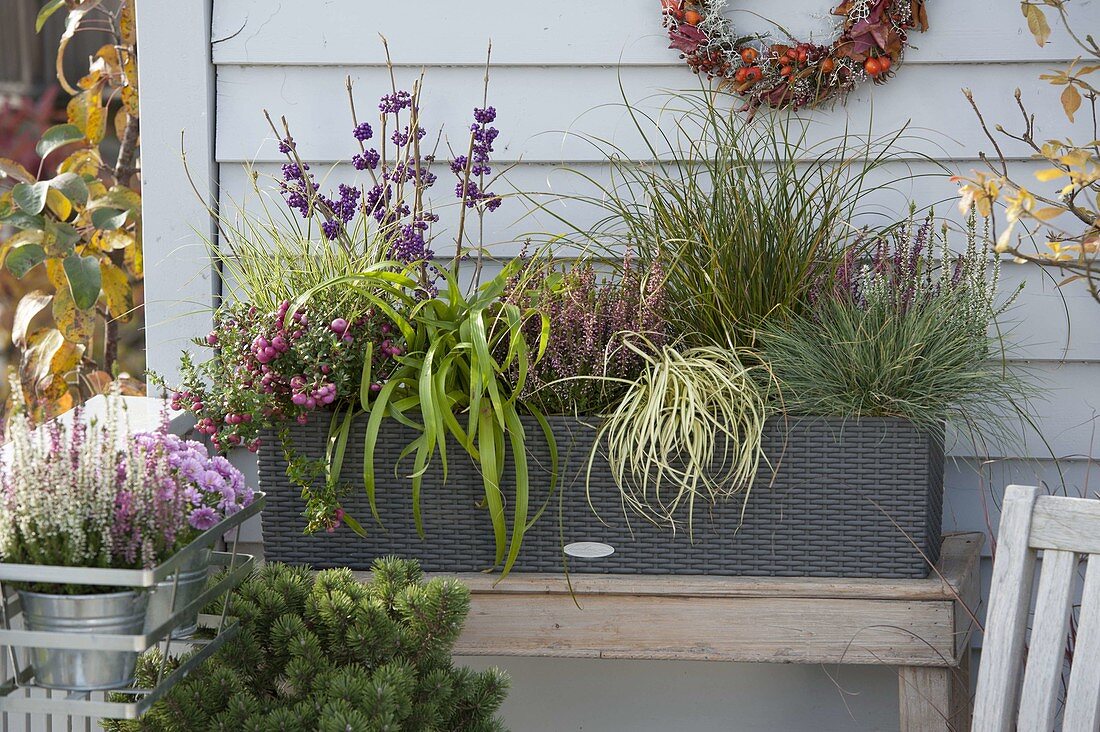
(1046, 651)
(1006, 620)
(1083, 696)
(1066, 524)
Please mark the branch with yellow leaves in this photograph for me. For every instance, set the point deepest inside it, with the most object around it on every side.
(1072, 248)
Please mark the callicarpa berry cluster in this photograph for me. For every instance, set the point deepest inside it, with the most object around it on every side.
(394, 203)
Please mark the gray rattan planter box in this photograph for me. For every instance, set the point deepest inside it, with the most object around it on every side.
(850, 499)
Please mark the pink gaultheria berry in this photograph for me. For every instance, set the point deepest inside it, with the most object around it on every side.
(348, 338)
(279, 344)
(339, 326)
(212, 338)
(303, 418)
(326, 369)
(299, 399)
(376, 387)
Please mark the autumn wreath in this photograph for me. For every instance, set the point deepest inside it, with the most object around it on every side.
(871, 38)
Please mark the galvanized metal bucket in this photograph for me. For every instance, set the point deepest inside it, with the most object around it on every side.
(192, 580)
(116, 613)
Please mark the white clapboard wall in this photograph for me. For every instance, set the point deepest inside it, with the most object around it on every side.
(559, 71)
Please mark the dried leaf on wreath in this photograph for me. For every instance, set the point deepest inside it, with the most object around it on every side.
(920, 15)
(687, 38)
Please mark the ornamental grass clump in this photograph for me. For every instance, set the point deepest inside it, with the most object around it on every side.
(909, 332)
(95, 494)
(331, 652)
(689, 428)
(591, 317)
(740, 214)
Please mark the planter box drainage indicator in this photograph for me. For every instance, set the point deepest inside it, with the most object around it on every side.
(589, 550)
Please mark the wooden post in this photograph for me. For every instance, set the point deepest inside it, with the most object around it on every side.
(177, 101)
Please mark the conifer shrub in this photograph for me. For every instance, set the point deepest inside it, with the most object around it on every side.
(329, 652)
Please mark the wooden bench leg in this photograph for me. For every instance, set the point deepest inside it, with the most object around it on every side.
(962, 703)
(934, 699)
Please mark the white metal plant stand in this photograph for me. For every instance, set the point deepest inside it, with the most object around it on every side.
(20, 695)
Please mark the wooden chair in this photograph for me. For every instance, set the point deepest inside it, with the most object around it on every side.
(1012, 692)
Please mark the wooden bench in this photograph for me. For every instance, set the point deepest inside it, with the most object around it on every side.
(922, 627)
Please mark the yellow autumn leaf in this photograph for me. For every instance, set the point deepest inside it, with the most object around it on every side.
(94, 79)
(1047, 213)
(130, 89)
(121, 118)
(109, 57)
(96, 189)
(1071, 101)
(134, 259)
(11, 169)
(55, 273)
(41, 347)
(65, 359)
(29, 306)
(86, 111)
(117, 291)
(76, 325)
(1076, 158)
(109, 241)
(1048, 174)
(126, 24)
(82, 162)
(1037, 23)
(59, 205)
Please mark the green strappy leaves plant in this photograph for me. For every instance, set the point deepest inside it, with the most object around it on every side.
(464, 368)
